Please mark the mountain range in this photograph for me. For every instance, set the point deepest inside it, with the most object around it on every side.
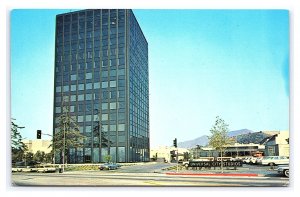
(203, 140)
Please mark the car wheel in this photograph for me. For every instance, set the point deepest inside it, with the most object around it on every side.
(186, 165)
(287, 173)
(271, 164)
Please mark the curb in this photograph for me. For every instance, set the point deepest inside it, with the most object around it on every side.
(206, 174)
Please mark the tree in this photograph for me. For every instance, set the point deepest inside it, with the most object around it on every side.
(39, 156)
(49, 157)
(186, 156)
(18, 148)
(107, 158)
(198, 148)
(68, 135)
(219, 137)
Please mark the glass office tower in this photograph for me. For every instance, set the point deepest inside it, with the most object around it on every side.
(101, 75)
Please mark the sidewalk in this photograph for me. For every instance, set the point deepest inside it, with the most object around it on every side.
(239, 172)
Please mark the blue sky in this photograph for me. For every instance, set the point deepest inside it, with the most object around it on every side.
(202, 64)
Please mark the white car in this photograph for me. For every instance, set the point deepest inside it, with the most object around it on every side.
(258, 160)
(253, 160)
(46, 168)
(275, 160)
(247, 160)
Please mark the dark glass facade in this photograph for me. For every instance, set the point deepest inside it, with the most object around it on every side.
(101, 74)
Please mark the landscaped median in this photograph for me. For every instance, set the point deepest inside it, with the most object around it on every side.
(182, 171)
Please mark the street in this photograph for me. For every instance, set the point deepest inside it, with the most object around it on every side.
(150, 174)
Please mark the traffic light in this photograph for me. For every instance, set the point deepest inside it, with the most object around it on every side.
(175, 142)
(38, 134)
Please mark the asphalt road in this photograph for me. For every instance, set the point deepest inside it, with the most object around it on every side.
(150, 174)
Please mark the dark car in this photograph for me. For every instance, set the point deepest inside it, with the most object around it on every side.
(284, 170)
(108, 166)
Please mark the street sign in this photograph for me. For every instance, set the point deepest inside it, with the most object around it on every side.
(215, 164)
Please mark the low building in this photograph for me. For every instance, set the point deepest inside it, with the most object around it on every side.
(243, 150)
(38, 145)
(278, 145)
(234, 150)
(167, 153)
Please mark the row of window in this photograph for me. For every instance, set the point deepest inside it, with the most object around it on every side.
(104, 106)
(86, 155)
(90, 15)
(81, 54)
(104, 127)
(112, 61)
(89, 86)
(91, 39)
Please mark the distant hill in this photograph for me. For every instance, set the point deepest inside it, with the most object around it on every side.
(255, 138)
(239, 132)
(203, 140)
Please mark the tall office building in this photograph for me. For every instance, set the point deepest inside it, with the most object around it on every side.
(101, 75)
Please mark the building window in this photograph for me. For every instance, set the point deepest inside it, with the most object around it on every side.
(104, 73)
(113, 127)
(97, 85)
(113, 84)
(271, 151)
(121, 138)
(66, 88)
(73, 97)
(73, 77)
(80, 107)
(88, 75)
(66, 98)
(89, 86)
(105, 128)
(121, 116)
(57, 109)
(73, 88)
(80, 86)
(121, 72)
(121, 153)
(121, 93)
(104, 84)
(58, 99)
(88, 97)
(80, 118)
(113, 105)
(88, 129)
(104, 106)
(104, 117)
(80, 97)
(104, 95)
(121, 127)
(113, 94)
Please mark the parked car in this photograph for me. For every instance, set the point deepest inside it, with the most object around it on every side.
(258, 160)
(284, 170)
(108, 166)
(29, 169)
(118, 165)
(247, 160)
(275, 160)
(253, 160)
(46, 168)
